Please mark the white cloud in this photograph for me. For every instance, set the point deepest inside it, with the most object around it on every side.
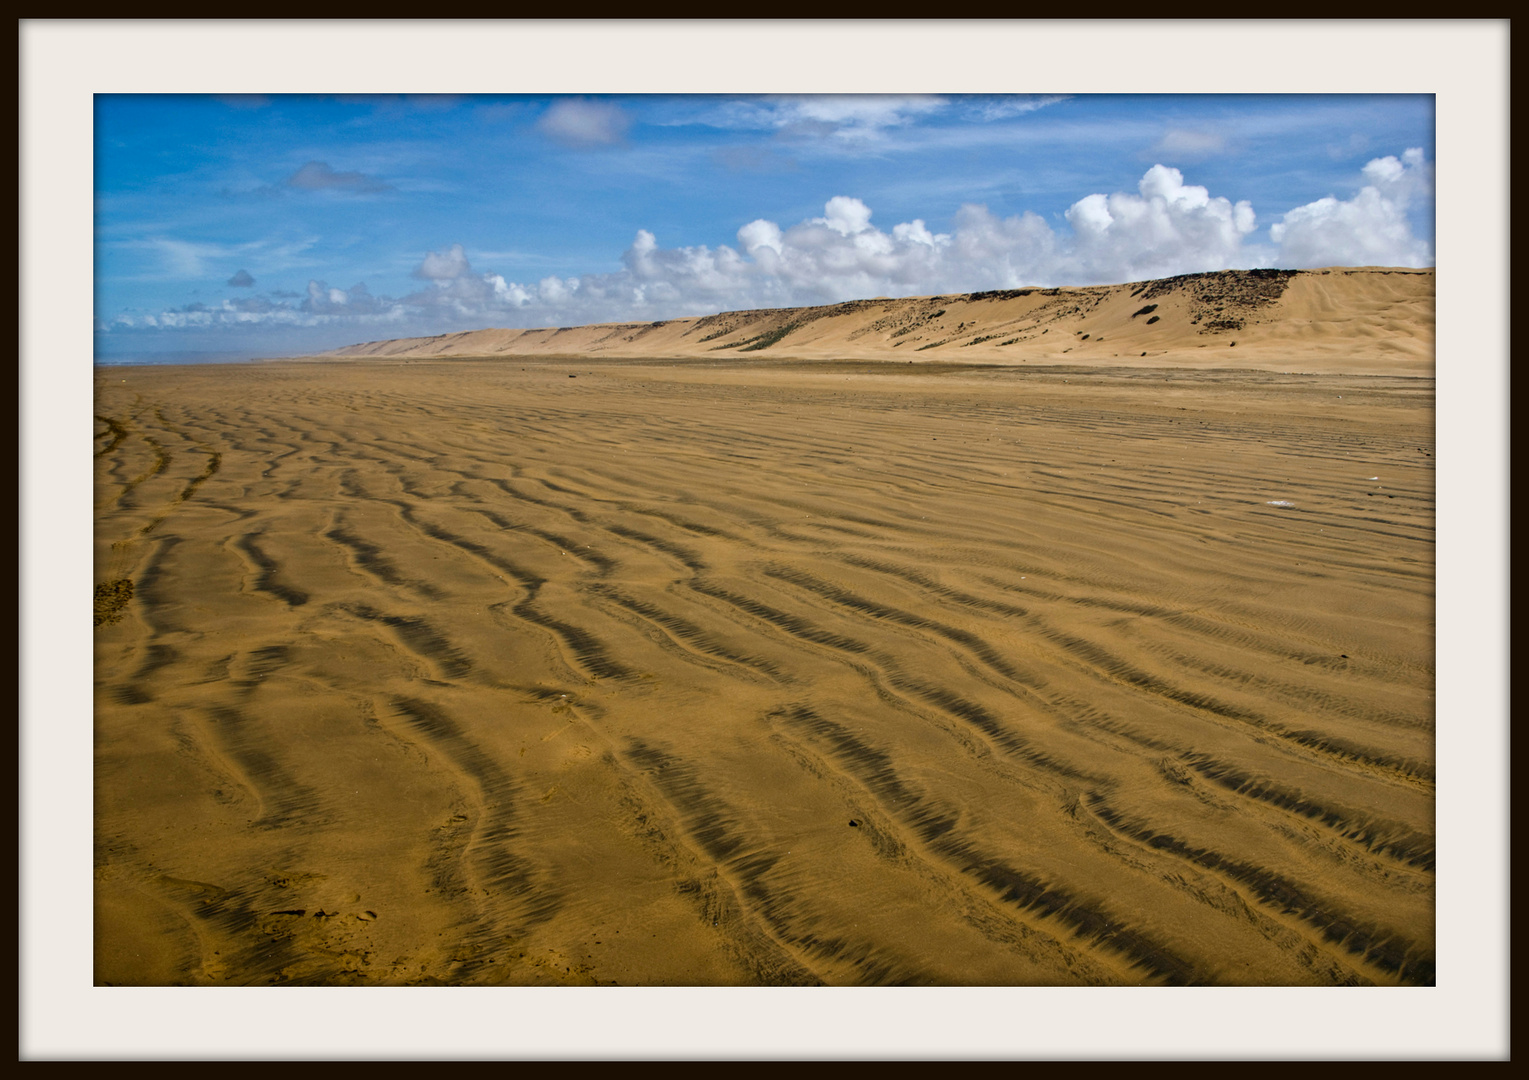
(324, 300)
(1009, 252)
(249, 305)
(845, 216)
(1371, 229)
(582, 124)
(554, 290)
(857, 110)
(1404, 181)
(853, 117)
(916, 232)
(760, 234)
(189, 260)
(185, 259)
(1005, 106)
(1165, 228)
(443, 266)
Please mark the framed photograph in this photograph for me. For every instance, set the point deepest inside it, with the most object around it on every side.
(626, 538)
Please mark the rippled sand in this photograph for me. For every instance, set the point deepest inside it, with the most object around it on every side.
(537, 671)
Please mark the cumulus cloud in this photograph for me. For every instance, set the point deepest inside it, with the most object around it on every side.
(319, 176)
(323, 300)
(319, 306)
(242, 280)
(760, 234)
(443, 266)
(457, 290)
(1402, 181)
(1168, 224)
(583, 125)
(1371, 229)
(845, 216)
(250, 305)
(1010, 252)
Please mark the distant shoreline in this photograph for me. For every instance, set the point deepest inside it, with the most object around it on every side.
(149, 359)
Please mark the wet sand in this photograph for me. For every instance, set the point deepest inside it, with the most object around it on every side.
(533, 671)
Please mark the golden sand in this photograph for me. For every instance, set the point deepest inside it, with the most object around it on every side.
(550, 670)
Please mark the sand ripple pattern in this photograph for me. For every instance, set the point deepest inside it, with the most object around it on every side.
(784, 673)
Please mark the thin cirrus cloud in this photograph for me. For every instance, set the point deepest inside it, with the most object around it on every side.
(184, 258)
(173, 260)
(854, 116)
(1186, 146)
(1167, 225)
(991, 109)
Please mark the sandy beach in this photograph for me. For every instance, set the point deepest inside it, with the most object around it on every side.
(581, 670)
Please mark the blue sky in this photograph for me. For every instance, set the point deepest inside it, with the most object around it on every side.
(282, 224)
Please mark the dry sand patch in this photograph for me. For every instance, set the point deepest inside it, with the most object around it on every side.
(792, 672)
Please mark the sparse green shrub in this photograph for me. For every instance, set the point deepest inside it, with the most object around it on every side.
(765, 340)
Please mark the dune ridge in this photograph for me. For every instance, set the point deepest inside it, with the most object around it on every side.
(1377, 320)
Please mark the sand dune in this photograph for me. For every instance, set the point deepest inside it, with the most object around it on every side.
(1341, 320)
(581, 670)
